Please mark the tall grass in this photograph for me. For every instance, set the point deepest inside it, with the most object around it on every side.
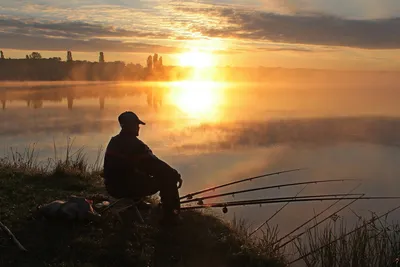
(25, 160)
(74, 161)
(264, 244)
(368, 244)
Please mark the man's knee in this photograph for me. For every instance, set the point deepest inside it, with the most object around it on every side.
(149, 187)
(166, 178)
(173, 176)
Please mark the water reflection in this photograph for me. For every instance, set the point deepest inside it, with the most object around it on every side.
(35, 97)
(3, 100)
(155, 97)
(198, 99)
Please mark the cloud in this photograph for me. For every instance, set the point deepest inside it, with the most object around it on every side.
(77, 36)
(358, 9)
(72, 29)
(282, 49)
(24, 42)
(314, 29)
(174, 23)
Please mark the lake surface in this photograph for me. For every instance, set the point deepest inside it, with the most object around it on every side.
(214, 133)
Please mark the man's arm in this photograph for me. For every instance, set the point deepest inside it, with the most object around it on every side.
(151, 164)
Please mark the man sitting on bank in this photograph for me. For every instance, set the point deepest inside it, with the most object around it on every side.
(131, 170)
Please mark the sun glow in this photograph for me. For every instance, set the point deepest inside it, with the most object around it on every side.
(196, 59)
(198, 99)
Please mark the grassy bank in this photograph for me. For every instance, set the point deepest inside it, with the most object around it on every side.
(202, 240)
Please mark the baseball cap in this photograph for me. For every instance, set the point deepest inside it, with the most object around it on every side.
(128, 117)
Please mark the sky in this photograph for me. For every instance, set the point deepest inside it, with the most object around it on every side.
(340, 34)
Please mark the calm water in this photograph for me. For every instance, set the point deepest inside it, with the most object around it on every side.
(214, 133)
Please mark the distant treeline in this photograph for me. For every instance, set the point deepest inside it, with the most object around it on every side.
(36, 68)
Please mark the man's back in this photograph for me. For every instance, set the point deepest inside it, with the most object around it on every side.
(120, 158)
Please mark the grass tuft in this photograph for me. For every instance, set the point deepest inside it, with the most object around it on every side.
(372, 242)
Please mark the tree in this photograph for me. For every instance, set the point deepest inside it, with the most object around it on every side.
(101, 57)
(155, 60)
(69, 56)
(149, 62)
(160, 62)
(1, 55)
(35, 55)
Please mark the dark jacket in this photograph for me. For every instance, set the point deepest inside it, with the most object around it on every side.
(127, 157)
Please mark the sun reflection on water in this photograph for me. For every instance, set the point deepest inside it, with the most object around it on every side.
(200, 100)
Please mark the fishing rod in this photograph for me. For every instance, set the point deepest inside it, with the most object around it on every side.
(251, 201)
(201, 199)
(348, 193)
(191, 195)
(315, 216)
(273, 201)
(315, 225)
(276, 212)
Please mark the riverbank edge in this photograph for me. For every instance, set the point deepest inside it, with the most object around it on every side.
(203, 239)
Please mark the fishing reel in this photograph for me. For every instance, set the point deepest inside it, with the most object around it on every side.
(200, 202)
(225, 209)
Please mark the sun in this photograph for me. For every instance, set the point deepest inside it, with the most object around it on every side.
(196, 58)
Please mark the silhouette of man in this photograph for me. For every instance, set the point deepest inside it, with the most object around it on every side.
(131, 170)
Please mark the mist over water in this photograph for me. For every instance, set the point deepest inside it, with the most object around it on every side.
(215, 133)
